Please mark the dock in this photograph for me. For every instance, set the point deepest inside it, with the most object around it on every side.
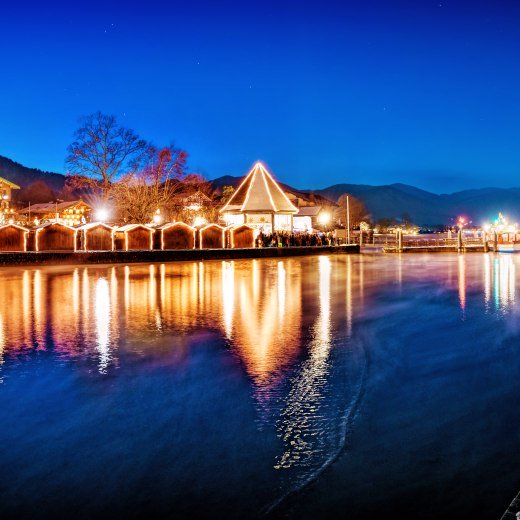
(31, 258)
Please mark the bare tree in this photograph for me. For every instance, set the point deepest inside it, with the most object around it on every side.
(357, 210)
(141, 192)
(102, 151)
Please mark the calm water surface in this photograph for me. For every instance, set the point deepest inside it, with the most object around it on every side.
(352, 386)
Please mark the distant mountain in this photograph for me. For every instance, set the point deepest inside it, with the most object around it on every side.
(425, 208)
(387, 201)
(24, 176)
(420, 206)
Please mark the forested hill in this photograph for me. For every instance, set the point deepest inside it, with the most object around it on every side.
(398, 201)
(388, 201)
(24, 176)
(426, 208)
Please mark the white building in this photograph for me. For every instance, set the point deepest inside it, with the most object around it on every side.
(260, 203)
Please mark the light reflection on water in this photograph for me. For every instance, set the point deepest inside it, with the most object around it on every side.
(298, 425)
(294, 325)
(259, 309)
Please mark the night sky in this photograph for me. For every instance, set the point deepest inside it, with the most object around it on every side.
(366, 92)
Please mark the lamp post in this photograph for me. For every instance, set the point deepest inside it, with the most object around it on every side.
(157, 219)
(460, 242)
(324, 219)
(57, 217)
(348, 220)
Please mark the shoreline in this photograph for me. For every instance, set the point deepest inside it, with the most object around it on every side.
(172, 255)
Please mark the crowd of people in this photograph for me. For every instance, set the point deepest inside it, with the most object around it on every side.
(286, 239)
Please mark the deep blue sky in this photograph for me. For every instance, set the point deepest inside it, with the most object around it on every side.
(422, 92)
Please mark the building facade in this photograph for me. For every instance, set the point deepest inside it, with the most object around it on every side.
(6, 209)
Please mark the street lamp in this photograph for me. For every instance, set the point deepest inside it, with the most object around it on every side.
(157, 217)
(56, 203)
(102, 214)
(324, 218)
(348, 219)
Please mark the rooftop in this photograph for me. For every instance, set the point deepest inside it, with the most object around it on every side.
(259, 192)
(9, 183)
(51, 207)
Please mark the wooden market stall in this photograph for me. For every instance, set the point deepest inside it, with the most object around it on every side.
(13, 238)
(95, 236)
(212, 236)
(55, 236)
(133, 237)
(177, 235)
(241, 236)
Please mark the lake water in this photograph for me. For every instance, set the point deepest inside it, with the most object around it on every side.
(347, 386)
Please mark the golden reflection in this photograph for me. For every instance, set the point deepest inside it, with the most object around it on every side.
(487, 279)
(266, 322)
(348, 296)
(39, 309)
(26, 298)
(75, 293)
(113, 287)
(201, 284)
(462, 281)
(152, 289)
(102, 314)
(400, 270)
(257, 306)
(297, 425)
(280, 283)
(361, 278)
(261, 307)
(85, 291)
(63, 321)
(127, 286)
(228, 296)
(2, 340)
(505, 278)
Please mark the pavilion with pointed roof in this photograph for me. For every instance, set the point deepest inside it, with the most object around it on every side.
(260, 202)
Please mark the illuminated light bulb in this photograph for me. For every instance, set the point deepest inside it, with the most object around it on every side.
(102, 214)
(324, 218)
(199, 221)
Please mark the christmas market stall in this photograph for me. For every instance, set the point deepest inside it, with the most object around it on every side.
(212, 236)
(95, 236)
(241, 236)
(55, 236)
(134, 237)
(13, 238)
(177, 235)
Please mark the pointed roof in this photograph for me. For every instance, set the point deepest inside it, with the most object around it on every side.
(9, 183)
(259, 192)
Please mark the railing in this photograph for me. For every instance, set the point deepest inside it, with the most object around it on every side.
(391, 242)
